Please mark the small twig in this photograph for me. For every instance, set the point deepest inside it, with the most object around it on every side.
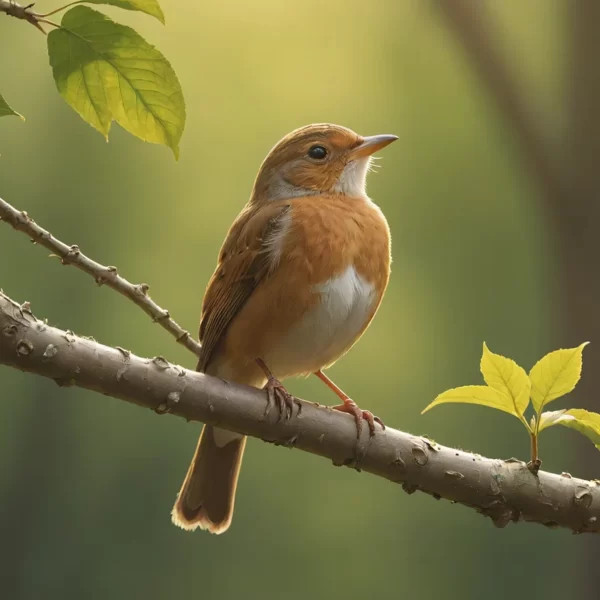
(14, 9)
(72, 255)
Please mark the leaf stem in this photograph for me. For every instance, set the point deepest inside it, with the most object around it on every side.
(534, 447)
(48, 22)
(535, 463)
(524, 421)
(56, 10)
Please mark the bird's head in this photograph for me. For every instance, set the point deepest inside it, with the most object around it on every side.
(317, 159)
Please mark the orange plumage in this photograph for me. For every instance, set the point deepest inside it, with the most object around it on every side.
(300, 276)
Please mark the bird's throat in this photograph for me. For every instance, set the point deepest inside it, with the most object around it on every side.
(353, 180)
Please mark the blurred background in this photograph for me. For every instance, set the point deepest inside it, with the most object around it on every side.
(492, 198)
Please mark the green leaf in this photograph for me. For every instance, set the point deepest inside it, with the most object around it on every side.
(549, 418)
(475, 394)
(6, 110)
(106, 71)
(150, 7)
(506, 376)
(555, 375)
(584, 421)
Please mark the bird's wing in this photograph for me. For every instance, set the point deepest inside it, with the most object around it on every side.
(245, 259)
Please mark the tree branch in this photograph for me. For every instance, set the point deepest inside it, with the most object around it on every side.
(72, 255)
(504, 490)
(14, 9)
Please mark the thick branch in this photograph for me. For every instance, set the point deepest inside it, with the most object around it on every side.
(71, 255)
(502, 490)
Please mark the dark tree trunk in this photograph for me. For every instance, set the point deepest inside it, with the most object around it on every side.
(579, 232)
(568, 181)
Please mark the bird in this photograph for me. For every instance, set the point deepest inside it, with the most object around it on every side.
(300, 276)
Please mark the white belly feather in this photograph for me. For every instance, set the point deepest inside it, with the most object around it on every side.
(327, 330)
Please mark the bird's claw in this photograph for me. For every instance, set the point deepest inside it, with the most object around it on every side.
(278, 396)
(359, 415)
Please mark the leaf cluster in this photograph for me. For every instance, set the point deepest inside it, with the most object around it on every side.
(510, 389)
(107, 72)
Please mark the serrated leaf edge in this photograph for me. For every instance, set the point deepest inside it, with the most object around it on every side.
(518, 413)
(575, 349)
(174, 147)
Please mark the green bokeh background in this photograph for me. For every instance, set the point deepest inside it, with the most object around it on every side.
(87, 482)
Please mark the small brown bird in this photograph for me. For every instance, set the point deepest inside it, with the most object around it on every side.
(300, 276)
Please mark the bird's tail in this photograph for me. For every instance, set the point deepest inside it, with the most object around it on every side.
(207, 495)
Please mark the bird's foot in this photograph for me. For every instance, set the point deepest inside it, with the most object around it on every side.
(359, 415)
(278, 396)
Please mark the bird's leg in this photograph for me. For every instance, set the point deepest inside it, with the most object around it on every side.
(351, 407)
(277, 394)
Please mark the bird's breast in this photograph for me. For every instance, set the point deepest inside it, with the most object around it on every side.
(329, 267)
(343, 307)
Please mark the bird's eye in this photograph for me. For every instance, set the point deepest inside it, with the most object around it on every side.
(317, 152)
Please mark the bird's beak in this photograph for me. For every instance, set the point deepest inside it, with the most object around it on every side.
(371, 144)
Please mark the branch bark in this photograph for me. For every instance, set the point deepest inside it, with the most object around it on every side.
(72, 255)
(14, 9)
(504, 490)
